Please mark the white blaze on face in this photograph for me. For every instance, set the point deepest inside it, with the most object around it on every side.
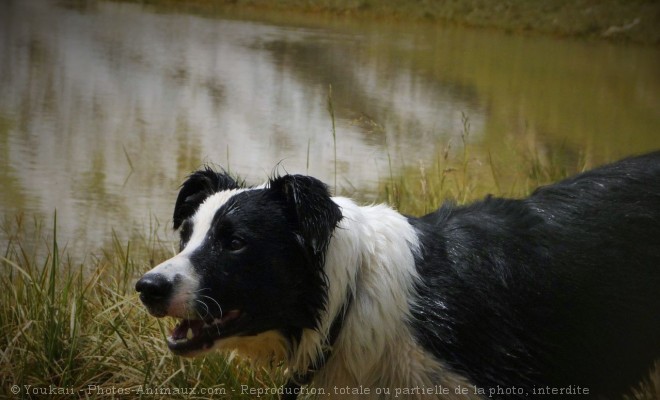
(204, 217)
(179, 270)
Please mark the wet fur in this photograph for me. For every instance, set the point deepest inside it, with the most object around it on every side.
(560, 288)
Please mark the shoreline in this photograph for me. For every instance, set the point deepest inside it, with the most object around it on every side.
(608, 20)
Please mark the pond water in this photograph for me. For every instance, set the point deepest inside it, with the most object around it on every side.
(105, 108)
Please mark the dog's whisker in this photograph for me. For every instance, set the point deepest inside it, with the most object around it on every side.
(215, 302)
(206, 308)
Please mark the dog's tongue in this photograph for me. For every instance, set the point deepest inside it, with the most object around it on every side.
(181, 329)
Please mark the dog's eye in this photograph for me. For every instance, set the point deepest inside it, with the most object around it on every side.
(236, 244)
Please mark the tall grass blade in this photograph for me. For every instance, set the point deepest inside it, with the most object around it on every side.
(331, 110)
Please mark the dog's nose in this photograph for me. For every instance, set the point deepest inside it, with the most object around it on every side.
(154, 288)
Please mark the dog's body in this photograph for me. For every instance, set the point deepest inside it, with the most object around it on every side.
(507, 298)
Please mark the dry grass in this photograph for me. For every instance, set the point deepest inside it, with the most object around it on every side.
(461, 173)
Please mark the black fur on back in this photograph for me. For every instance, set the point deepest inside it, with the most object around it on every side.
(561, 288)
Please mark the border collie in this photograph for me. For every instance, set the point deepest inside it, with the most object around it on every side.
(556, 293)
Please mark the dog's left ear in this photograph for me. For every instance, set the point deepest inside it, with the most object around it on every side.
(310, 207)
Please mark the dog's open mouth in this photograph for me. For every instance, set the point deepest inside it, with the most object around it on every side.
(191, 336)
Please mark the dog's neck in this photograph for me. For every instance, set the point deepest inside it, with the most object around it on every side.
(373, 248)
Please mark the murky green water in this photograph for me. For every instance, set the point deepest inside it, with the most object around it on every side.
(105, 109)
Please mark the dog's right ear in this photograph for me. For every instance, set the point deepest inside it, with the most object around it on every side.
(200, 185)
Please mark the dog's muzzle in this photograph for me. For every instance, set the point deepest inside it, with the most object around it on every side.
(169, 290)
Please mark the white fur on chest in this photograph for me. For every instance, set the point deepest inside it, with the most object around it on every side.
(371, 257)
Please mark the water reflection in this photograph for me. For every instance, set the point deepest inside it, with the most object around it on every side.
(105, 109)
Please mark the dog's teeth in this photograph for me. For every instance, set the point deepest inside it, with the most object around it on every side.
(190, 334)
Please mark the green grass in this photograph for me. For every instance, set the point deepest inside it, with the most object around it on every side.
(80, 328)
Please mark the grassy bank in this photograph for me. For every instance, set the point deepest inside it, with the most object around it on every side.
(634, 21)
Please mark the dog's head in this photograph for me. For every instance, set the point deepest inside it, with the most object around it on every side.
(250, 261)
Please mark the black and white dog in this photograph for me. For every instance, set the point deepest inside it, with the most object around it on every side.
(557, 293)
